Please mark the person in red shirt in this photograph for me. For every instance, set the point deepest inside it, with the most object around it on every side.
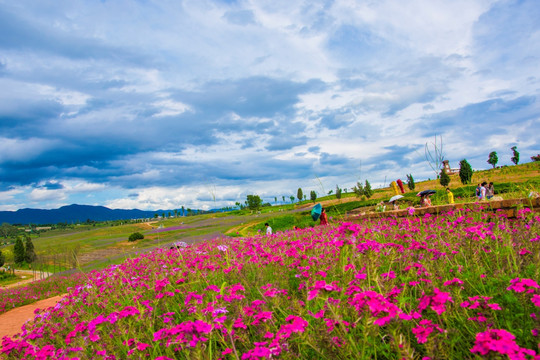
(324, 217)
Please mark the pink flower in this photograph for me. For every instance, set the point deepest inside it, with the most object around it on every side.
(142, 346)
(521, 285)
(499, 341)
(453, 281)
(536, 300)
(423, 330)
(239, 323)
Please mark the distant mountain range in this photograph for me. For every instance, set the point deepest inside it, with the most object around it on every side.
(75, 214)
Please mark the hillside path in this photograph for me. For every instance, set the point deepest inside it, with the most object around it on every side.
(12, 321)
(31, 277)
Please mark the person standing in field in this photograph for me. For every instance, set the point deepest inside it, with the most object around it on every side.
(490, 191)
(268, 229)
(323, 217)
(483, 191)
(450, 196)
(425, 201)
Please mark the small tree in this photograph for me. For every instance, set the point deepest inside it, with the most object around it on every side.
(7, 230)
(18, 251)
(515, 158)
(254, 202)
(2, 259)
(535, 158)
(410, 182)
(313, 195)
(493, 159)
(445, 179)
(135, 236)
(300, 194)
(358, 189)
(29, 253)
(367, 190)
(465, 172)
(338, 192)
(291, 198)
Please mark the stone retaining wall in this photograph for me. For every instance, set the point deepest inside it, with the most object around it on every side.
(509, 207)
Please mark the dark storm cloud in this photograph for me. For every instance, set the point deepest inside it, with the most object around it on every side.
(25, 118)
(97, 146)
(52, 186)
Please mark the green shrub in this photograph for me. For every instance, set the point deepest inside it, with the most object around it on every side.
(136, 236)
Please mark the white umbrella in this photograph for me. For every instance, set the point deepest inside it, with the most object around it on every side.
(394, 198)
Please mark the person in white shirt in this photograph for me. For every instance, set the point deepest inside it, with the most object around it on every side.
(268, 229)
(483, 191)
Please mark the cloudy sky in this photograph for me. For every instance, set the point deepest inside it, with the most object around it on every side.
(158, 104)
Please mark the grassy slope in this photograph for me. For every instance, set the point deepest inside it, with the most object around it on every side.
(99, 246)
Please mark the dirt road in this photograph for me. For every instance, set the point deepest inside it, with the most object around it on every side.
(12, 321)
(30, 276)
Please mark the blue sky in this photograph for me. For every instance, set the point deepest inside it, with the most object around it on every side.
(197, 103)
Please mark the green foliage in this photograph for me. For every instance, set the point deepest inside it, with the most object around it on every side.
(254, 202)
(18, 251)
(410, 182)
(358, 189)
(8, 230)
(2, 259)
(338, 192)
(136, 236)
(465, 172)
(29, 253)
(313, 195)
(445, 179)
(493, 159)
(299, 194)
(367, 190)
(535, 158)
(515, 157)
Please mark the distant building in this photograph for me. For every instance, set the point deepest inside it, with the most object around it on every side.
(448, 169)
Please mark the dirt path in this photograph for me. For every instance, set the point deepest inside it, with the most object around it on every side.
(12, 321)
(30, 275)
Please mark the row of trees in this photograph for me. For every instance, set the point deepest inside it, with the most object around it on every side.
(254, 202)
(24, 252)
(493, 159)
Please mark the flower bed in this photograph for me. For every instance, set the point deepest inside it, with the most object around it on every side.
(38, 290)
(454, 286)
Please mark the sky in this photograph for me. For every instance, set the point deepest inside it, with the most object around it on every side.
(159, 104)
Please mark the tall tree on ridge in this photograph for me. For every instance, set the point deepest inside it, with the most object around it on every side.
(493, 159)
(299, 194)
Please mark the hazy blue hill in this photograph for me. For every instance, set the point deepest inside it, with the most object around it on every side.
(74, 213)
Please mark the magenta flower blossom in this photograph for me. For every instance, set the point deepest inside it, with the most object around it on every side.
(424, 329)
(536, 300)
(521, 285)
(499, 341)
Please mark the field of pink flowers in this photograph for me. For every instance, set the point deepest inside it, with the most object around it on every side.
(457, 286)
(42, 289)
